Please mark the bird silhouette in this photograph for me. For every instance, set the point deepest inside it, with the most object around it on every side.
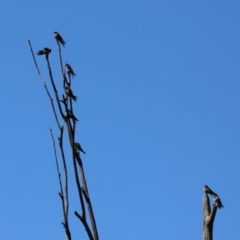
(78, 147)
(59, 38)
(69, 93)
(207, 190)
(216, 198)
(217, 201)
(45, 51)
(69, 70)
(71, 115)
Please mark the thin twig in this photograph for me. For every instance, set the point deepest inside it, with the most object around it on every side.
(66, 225)
(45, 86)
(83, 220)
(54, 87)
(60, 57)
(65, 171)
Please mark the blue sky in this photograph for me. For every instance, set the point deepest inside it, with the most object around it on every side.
(158, 107)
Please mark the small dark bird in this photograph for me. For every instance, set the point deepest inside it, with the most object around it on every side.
(69, 93)
(71, 115)
(78, 147)
(216, 198)
(217, 201)
(45, 51)
(59, 38)
(69, 70)
(207, 190)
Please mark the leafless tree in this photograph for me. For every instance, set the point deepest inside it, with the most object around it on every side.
(208, 213)
(64, 109)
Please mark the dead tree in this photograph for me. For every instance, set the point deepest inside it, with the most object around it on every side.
(64, 108)
(208, 213)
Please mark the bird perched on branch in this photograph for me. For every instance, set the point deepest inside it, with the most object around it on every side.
(59, 38)
(71, 115)
(78, 148)
(45, 51)
(216, 198)
(69, 93)
(217, 201)
(207, 190)
(69, 70)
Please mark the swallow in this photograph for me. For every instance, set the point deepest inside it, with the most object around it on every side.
(217, 201)
(207, 190)
(69, 70)
(78, 147)
(59, 38)
(45, 51)
(69, 93)
(71, 115)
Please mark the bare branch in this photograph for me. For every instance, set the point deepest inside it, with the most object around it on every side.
(78, 182)
(208, 218)
(60, 57)
(83, 220)
(65, 172)
(54, 87)
(45, 86)
(66, 226)
(87, 198)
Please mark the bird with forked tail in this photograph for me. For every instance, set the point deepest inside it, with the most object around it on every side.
(59, 38)
(69, 93)
(78, 148)
(71, 115)
(69, 70)
(216, 198)
(217, 201)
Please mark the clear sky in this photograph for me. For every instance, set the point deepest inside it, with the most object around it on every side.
(159, 115)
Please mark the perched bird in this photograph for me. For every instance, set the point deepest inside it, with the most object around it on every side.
(216, 198)
(59, 38)
(217, 201)
(71, 115)
(45, 51)
(69, 93)
(69, 70)
(78, 147)
(207, 190)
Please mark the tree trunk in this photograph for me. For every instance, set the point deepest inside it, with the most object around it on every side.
(208, 218)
